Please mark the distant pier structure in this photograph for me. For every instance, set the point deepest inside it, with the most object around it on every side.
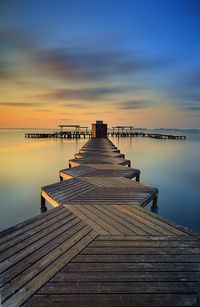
(99, 130)
(77, 131)
(65, 131)
(122, 130)
(130, 131)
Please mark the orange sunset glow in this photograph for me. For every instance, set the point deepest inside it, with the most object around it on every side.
(113, 64)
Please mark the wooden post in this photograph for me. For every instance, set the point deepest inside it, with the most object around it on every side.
(155, 202)
(137, 178)
(43, 207)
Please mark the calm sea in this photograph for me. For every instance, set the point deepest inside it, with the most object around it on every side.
(173, 166)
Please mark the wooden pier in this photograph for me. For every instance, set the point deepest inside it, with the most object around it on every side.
(69, 134)
(66, 131)
(118, 131)
(148, 135)
(98, 246)
(128, 131)
(64, 134)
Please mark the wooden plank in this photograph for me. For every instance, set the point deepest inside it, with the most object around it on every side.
(92, 215)
(156, 220)
(60, 186)
(57, 260)
(185, 230)
(145, 243)
(182, 238)
(17, 276)
(91, 223)
(113, 173)
(103, 154)
(28, 224)
(131, 267)
(101, 213)
(99, 170)
(116, 250)
(115, 182)
(23, 253)
(118, 287)
(66, 186)
(76, 171)
(136, 258)
(25, 265)
(66, 196)
(126, 221)
(120, 276)
(153, 228)
(110, 300)
(105, 160)
(109, 196)
(35, 233)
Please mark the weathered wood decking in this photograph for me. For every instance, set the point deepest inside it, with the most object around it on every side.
(99, 247)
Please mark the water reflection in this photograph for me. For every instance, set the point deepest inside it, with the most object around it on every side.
(24, 168)
(173, 167)
(155, 209)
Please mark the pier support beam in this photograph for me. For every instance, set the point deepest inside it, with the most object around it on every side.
(154, 206)
(137, 178)
(155, 202)
(43, 207)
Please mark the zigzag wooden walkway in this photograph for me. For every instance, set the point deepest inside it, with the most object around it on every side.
(99, 247)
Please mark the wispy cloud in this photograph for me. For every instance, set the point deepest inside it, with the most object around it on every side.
(98, 113)
(64, 119)
(5, 73)
(75, 105)
(62, 113)
(21, 104)
(189, 106)
(133, 104)
(72, 62)
(88, 64)
(83, 93)
(44, 110)
(185, 90)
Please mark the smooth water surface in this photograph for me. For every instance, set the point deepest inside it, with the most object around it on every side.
(172, 166)
(25, 166)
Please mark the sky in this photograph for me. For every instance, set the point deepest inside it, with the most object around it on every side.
(125, 62)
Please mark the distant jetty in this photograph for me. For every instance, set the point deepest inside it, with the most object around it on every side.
(77, 131)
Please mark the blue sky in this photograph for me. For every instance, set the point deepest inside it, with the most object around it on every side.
(128, 61)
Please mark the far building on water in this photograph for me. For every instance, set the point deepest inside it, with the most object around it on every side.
(99, 130)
